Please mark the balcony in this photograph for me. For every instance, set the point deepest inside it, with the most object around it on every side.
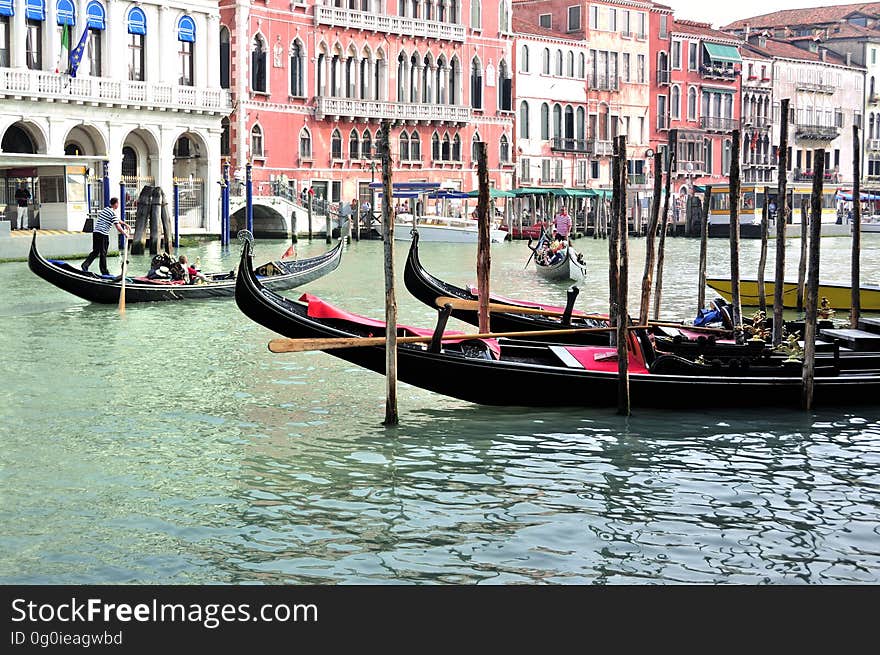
(718, 124)
(807, 176)
(696, 167)
(815, 88)
(719, 72)
(873, 144)
(757, 122)
(571, 145)
(397, 111)
(604, 83)
(663, 76)
(816, 132)
(362, 20)
(601, 148)
(758, 160)
(110, 92)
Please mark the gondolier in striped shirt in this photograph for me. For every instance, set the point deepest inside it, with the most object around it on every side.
(562, 224)
(106, 219)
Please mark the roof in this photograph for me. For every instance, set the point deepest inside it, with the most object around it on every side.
(849, 31)
(776, 48)
(805, 16)
(524, 26)
(704, 30)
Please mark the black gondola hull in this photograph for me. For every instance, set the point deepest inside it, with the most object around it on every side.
(522, 383)
(100, 290)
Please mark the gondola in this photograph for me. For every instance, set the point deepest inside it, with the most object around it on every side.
(279, 275)
(839, 295)
(498, 372)
(428, 288)
(570, 269)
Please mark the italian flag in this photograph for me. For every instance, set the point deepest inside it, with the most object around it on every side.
(64, 55)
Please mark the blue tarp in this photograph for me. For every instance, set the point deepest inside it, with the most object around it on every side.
(863, 196)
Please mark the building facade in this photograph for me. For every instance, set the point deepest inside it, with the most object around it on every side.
(144, 104)
(313, 80)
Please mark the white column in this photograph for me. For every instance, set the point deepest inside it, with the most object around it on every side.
(165, 42)
(211, 177)
(213, 51)
(154, 44)
(115, 46)
(165, 171)
(51, 37)
(19, 42)
(200, 51)
(242, 10)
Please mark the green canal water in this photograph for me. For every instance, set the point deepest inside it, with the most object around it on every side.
(169, 446)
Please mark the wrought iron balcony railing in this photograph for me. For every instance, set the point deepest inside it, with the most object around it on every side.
(718, 124)
(571, 145)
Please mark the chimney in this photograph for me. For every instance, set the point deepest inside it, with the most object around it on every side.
(748, 30)
(849, 59)
(822, 52)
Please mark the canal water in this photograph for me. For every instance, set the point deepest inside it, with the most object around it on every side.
(169, 446)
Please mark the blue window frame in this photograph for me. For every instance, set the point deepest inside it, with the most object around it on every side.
(95, 15)
(137, 21)
(6, 8)
(35, 9)
(66, 11)
(186, 29)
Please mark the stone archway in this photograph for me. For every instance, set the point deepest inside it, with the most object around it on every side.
(268, 222)
(190, 171)
(24, 137)
(87, 140)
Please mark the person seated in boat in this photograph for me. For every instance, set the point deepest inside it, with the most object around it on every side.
(191, 273)
(160, 267)
(557, 251)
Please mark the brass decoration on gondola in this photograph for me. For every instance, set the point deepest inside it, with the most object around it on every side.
(792, 348)
(758, 331)
(825, 310)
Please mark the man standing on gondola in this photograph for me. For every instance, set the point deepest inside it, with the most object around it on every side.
(562, 224)
(106, 219)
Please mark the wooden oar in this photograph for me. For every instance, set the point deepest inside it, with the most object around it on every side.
(535, 249)
(330, 343)
(461, 303)
(124, 261)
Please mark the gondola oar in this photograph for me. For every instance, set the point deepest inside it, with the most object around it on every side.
(302, 345)
(124, 261)
(535, 249)
(461, 303)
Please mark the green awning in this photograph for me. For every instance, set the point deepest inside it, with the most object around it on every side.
(493, 193)
(571, 193)
(718, 52)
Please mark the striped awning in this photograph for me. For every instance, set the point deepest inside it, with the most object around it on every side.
(718, 52)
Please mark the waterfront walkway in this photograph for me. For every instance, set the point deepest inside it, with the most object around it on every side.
(14, 245)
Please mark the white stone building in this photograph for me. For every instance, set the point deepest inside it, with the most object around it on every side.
(145, 99)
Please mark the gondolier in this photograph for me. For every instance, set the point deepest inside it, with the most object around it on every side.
(106, 219)
(562, 223)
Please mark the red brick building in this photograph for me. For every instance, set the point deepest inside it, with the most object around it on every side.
(311, 82)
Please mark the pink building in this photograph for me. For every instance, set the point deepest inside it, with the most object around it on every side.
(311, 82)
(695, 98)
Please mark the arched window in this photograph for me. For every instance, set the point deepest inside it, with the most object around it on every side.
(569, 64)
(305, 144)
(523, 120)
(545, 121)
(65, 12)
(580, 124)
(256, 141)
(404, 146)
(95, 23)
(336, 145)
(505, 82)
(454, 82)
(367, 145)
(559, 62)
(504, 149)
(456, 148)
(258, 64)
(297, 84)
(476, 18)
(447, 154)
(354, 146)
(435, 147)
(137, 32)
(414, 70)
(186, 38)
(351, 76)
(401, 77)
(415, 147)
(692, 103)
(524, 59)
(557, 121)
(476, 84)
(475, 146)
(224, 141)
(568, 125)
(675, 102)
(545, 61)
(582, 66)
(503, 17)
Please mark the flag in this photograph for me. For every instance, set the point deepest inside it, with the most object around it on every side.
(77, 54)
(754, 139)
(64, 55)
(290, 252)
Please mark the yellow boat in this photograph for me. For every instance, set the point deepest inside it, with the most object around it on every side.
(839, 295)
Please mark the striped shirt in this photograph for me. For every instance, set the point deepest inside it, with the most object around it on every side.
(563, 224)
(105, 220)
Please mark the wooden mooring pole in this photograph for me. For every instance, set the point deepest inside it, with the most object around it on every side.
(704, 250)
(664, 223)
(812, 299)
(855, 279)
(734, 236)
(762, 260)
(483, 221)
(614, 245)
(781, 218)
(623, 404)
(391, 416)
(650, 238)
(802, 264)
